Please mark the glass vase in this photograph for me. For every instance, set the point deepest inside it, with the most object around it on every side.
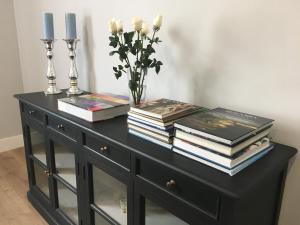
(137, 86)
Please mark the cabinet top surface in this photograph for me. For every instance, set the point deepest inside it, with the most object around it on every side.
(116, 131)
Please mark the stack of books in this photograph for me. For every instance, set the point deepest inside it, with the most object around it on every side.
(223, 139)
(154, 120)
(95, 107)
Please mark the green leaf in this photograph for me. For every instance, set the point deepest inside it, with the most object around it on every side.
(153, 64)
(147, 62)
(128, 37)
(150, 49)
(138, 45)
(113, 52)
(157, 69)
(122, 51)
(156, 40)
(113, 44)
(118, 74)
(133, 51)
(112, 38)
(120, 67)
(159, 63)
(127, 66)
(115, 69)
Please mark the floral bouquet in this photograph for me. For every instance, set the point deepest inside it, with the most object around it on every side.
(135, 50)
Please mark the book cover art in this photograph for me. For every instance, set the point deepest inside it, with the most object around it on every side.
(96, 102)
(163, 107)
(224, 123)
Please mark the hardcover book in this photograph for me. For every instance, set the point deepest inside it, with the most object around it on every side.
(219, 147)
(148, 123)
(164, 108)
(150, 133)
(167, 133)
(148, 138)
(230, 171)
(220, 159)
(94, 107)
(223, 125)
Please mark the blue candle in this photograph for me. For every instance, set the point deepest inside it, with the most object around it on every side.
(71, 26)
(48, 26)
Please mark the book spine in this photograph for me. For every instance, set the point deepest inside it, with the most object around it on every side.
(230, 171)
(155, 141)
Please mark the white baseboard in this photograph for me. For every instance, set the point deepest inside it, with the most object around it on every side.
(11, 143)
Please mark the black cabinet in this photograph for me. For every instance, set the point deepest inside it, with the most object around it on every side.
(84, 173)
(108, 190)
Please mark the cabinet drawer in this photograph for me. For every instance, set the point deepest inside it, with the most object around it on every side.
(63, 127)
(33, 113)
(197, 194)
(109, 150)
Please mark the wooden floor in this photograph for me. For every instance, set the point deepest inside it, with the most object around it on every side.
(14, 207)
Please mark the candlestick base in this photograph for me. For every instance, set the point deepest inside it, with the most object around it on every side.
(74, 91)
(52, 91)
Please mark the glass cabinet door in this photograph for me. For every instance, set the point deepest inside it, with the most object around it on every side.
(37, 155)
(110, 198)
(154, 214)
(64, 175)
(99, 220)
(41, 179)
(65, 164)
(38, 149)
(67, 202)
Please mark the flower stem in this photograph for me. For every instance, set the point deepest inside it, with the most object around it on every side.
(133, 93)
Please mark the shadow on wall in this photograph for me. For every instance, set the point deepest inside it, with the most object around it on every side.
(89, 53)
(193, 64)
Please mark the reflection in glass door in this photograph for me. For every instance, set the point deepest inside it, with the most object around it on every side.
(65, 164)
(38, 161)
(67, 202)
(99, 220)
(157, 215)
(38, 145)
(64, 175)
(110, 197)
(41, 179)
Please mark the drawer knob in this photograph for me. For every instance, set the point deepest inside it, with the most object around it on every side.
(47, 173)
(60, 127)
(31, 112)
(171, 184)
(103, 149)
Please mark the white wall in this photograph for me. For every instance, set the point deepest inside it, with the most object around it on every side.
(10, 76)
(243, 55)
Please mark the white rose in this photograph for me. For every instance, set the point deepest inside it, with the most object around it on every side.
(119, 26)
(137, 23)
(113, 26)
(145, 29)
(157, 22)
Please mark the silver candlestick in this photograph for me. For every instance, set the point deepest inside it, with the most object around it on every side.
(73, 74)
(51, 76)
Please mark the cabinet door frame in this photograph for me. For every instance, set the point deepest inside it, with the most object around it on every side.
(27, 125)
(143, 191)
(148, 190)
(122, 174)
(53, 137)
